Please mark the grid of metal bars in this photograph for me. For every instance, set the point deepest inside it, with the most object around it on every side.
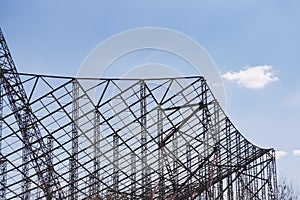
(133, 139)
(68, 138)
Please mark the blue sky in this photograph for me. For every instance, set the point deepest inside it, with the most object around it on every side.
(54, 37)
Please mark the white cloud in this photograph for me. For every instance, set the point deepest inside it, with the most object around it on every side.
(296, 152)
(280, 154)
(255, 77)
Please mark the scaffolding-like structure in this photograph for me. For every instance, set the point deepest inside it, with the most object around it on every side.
(83, 138)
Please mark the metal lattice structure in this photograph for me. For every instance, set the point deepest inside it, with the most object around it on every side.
(76, 138)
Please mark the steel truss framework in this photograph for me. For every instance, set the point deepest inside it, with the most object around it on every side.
(123, 139)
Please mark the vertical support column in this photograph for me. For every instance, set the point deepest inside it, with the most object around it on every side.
(229, 159)
(115, 167)
(3, 168)
(204, 117)
(270, 174)
(203, 173)
(25, 166)
(49, 177)
(160, 154)
(216, 141)
(175, 164)
(96, 153)
(189, 166)
(263, 177)
(73, 194)
(146, 191)
(239, 186)
(206, 139)
(90, 184)
(255, 174)
(274, 182)
(268, 186)
(133, 175)
(3, 163)
(247, 172)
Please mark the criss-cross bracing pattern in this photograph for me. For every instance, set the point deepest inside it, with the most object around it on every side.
(132, 139)
(80, 138)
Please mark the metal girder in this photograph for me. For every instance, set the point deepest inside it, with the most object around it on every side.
(34, 147)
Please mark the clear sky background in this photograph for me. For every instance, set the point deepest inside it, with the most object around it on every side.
(254, 43)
